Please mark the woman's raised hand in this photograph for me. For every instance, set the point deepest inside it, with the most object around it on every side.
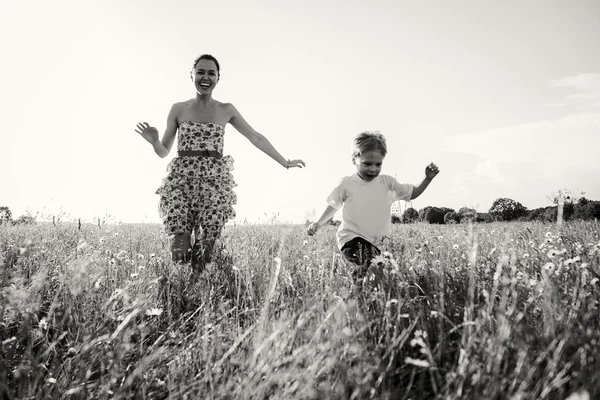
(295, 164)
(148, 132)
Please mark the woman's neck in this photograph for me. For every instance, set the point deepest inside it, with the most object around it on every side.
(204, 100)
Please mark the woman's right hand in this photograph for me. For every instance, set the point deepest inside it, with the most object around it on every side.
(148, 132)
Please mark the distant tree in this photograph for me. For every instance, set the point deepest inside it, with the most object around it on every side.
(5, 215)
(507, 209)
(396, 219)
(410, 215)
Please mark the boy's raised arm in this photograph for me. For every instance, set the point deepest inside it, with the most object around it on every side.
(430, 172)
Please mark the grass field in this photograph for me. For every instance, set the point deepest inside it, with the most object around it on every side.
(485, 311)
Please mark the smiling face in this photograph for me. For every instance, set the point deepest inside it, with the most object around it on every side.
(205, 76)
(368, 165)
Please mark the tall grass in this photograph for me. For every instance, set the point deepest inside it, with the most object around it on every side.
(451, 312)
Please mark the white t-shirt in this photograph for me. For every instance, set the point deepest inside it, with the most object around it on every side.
(367, 206)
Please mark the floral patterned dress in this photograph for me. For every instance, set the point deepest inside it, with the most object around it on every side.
(197, 193)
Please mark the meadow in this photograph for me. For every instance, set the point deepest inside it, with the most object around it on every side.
(466, 311)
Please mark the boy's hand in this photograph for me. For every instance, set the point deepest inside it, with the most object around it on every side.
(431, 171)
(312, 228)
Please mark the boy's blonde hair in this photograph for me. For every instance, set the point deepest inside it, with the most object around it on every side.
(368, 141)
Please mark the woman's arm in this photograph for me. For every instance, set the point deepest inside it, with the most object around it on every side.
(258, 140)
(150, 133)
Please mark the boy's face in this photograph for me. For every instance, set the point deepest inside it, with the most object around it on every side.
(368, 165)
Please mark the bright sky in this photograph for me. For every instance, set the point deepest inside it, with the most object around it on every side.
(503, 96)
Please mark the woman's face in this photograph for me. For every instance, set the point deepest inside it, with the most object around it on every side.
(205, 76)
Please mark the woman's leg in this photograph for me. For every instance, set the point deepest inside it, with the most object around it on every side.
(212, 222)
(181, 248)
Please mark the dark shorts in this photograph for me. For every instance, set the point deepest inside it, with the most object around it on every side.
(360, 251)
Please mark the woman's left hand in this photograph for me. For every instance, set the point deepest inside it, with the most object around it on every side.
(295, 164)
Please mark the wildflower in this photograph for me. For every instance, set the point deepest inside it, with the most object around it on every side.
(526, 255)
(140, 256)
(152, 255)
(154, 312)
(417, 363)
(43, 324)
(404, 316)
(572, 260)
(532, 282)
(594, 281)
(420, 333)
(379, 260)
(116, 234)
(548, 267)
(305, 242)
(584, 395)
(134, 275)
(552, 253)
(519, 275)
(440, 237)
(455, 246)
(51, 380)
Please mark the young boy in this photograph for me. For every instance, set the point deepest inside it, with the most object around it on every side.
(366, 198)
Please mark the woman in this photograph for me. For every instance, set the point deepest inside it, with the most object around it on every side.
(197, 194)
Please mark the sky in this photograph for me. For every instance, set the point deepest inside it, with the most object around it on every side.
(503, 96)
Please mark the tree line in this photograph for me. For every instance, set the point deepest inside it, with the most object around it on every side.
(505, 209)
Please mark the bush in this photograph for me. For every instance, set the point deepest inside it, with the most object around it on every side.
(24, 220)
(466, 214)
(435, 215)
(484, 217)
(396, 219)
(5, 215)
(587, 210)
(451, 218)
(410, 215)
